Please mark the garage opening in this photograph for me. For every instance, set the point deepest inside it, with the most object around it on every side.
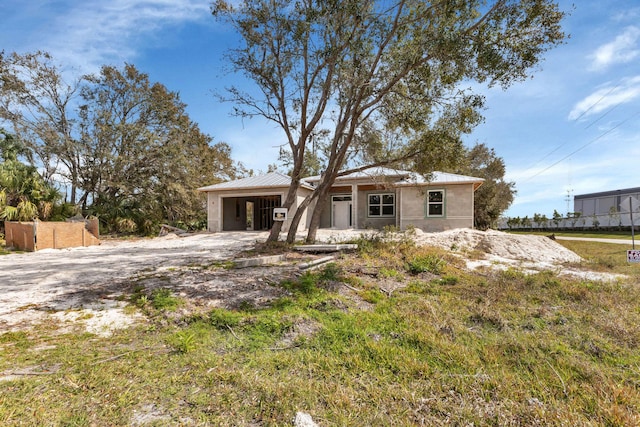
(249, 213)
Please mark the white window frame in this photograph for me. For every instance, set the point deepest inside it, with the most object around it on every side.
(381, 205)
(429, 203)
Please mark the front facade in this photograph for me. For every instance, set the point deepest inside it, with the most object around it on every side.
(363, 200)
(384, 197)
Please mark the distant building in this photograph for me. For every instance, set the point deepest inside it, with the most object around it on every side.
(603, 202)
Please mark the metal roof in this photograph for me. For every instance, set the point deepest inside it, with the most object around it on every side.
(269, 180)
(438, 177)
(372, 173)
(623, 192)
(406, 177)
(400, 177)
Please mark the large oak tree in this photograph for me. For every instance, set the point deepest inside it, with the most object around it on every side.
(379, 82)
(143, 154)
(496, 194)
(124, 146)
(38, 103)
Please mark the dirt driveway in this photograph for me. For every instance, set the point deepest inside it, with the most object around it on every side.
(39, 283)
(83, 287)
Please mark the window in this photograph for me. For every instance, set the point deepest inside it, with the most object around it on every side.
(382, 204)
(435, 203)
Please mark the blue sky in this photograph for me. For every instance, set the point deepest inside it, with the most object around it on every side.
(573, 128)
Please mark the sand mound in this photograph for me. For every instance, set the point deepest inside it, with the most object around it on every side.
(512, 246)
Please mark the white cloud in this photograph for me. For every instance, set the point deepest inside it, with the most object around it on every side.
(92, 33)
(622, 50)
(607, 97)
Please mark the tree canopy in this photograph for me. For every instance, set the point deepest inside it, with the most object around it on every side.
(378, 83)
(495, 195)
(124, 146)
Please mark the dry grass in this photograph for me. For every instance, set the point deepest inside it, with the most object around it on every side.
(442, 347)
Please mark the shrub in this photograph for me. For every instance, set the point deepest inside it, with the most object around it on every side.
(163, 299)
(221, 318)
(426, 263)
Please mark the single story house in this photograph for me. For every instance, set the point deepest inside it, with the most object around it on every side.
(369, 199)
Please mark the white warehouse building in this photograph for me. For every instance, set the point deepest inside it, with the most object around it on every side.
(603, 202)
(606, 207)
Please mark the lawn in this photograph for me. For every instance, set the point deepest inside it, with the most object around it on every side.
(608, 234)
(393, 335)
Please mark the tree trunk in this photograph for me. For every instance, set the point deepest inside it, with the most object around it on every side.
(322, 194)
(295, 221)
(274, 234)
(73, 193)
(275, 231)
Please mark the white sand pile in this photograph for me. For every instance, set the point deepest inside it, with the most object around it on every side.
(505, 245)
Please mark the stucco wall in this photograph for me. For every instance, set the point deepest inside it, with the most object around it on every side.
(364, 220)
(410, 206)
(458, 210)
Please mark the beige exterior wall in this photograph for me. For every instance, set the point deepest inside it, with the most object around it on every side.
(306, 216)
(366, 221)
(458, 209)
(410, 206)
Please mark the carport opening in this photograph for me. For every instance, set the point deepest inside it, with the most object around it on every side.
(249, 213)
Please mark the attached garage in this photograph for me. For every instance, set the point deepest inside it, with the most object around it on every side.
(249, 213)
(248, 203)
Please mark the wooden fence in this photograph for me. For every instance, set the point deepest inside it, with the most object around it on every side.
(37, 235)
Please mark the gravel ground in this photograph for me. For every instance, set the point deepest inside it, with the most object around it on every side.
(83, 284)
(34, 284)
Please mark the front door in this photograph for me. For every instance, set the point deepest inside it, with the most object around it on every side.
(341, 212)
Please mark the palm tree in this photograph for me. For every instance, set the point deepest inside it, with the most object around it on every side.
(24, 195)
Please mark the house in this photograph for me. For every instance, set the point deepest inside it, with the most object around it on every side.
(369, 199)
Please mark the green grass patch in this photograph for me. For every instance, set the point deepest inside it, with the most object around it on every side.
(163, 299)
(606, 257)
(501, 348)
(608, 234)
(431, 263)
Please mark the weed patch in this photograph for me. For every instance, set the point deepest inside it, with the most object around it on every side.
(452, 347)
(164, 300)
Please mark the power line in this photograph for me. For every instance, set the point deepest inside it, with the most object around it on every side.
(596, 103)
(584, 146)
(576, 119)
(598, 119)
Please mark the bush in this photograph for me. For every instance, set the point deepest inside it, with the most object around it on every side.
(222, 319)
(163, 299)
(426, 263)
